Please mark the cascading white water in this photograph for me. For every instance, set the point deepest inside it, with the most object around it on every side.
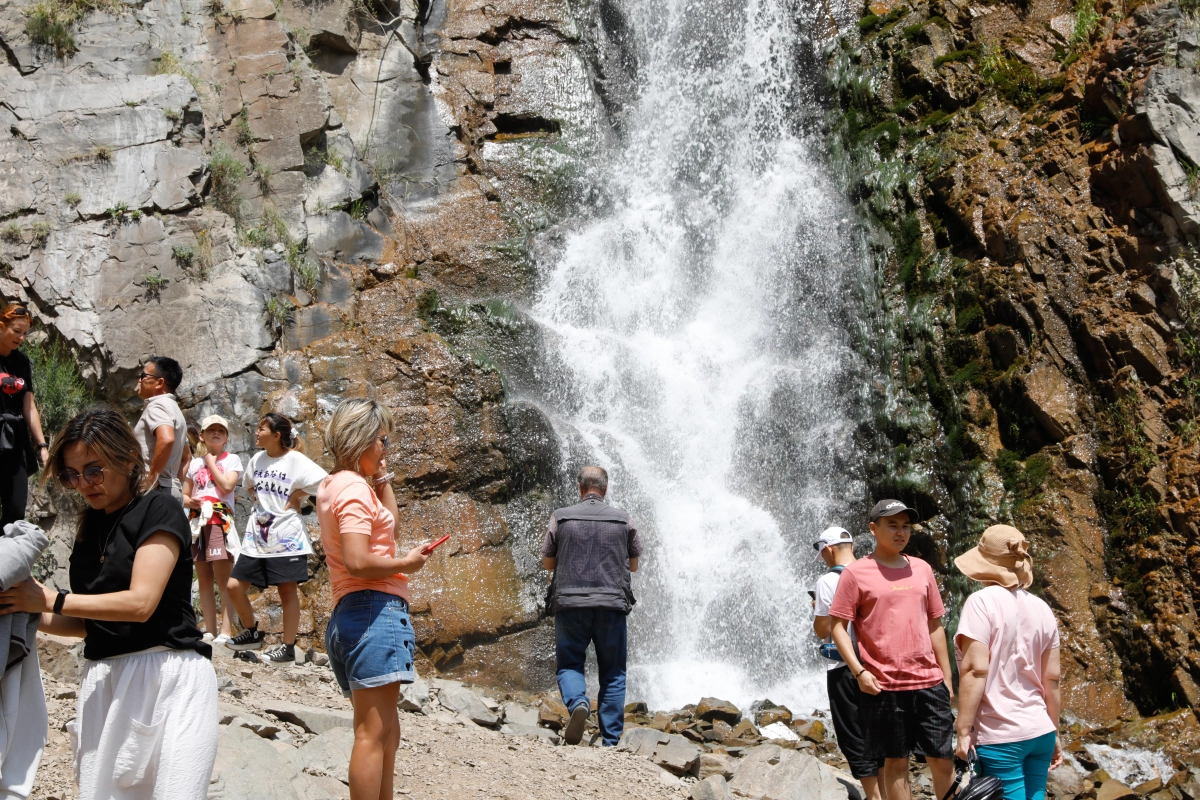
(700, 319)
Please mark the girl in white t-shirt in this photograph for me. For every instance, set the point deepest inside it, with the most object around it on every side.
(208, 495)
(276, 546)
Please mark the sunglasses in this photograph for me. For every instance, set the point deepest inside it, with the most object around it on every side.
(384, 439)
(92, 476)
(16, 311)
(144, 375)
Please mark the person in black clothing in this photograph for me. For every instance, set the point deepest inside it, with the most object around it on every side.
(592, 548)
(22, 445)
(146, 720)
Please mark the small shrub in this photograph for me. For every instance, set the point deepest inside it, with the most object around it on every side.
(263, 174)
(279, 312)
(52, 24)
(171, 114)
(245, 137)
(61, 391)
(971, 52)
(118, 212)
(170, 64)
(216, 7)
(1086, 20)
(225, 173)
(72, 198)
(154, 282)
(970, 319)
(204, 255)
(358, 210)
(103, 153)
(135, 215)
(40, 232)
(307, 271)
(184, 256)
(11, 232)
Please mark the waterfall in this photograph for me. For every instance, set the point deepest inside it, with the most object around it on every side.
(699, 317)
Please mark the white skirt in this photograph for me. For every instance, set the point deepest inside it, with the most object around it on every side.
(146, 727)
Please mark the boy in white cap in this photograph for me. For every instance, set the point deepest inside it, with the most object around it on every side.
(208, 494)
(898, 656)
(835, 546)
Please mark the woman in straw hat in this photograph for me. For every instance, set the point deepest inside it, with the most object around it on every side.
(1007, 648)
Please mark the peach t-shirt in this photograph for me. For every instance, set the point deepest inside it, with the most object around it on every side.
(346, 504)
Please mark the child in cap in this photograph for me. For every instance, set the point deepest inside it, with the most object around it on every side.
(904, 670)
(208, 493)
(835, 546)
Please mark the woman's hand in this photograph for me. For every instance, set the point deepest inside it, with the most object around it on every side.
(415, 559)
(962, 744)
(43, 456)
(188, 502)
(1057, 759)
(30, 597)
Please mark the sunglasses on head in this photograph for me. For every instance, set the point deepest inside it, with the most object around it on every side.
(16, 311)
(91, 475)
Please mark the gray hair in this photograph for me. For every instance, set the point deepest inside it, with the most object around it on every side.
(353, 428)
(593, 479)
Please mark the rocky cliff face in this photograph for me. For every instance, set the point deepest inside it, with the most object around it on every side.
(1028, 170)
(305, 201)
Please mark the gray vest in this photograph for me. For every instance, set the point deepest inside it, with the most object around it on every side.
(592, 568)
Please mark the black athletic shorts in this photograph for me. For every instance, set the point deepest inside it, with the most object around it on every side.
(264, 572)
(904, 723)
(844, 700)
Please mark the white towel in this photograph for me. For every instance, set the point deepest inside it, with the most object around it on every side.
(146, 727)
(22, 726)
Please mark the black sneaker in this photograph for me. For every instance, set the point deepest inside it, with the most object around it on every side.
(574, 731)
(279, 654)
(249, 639)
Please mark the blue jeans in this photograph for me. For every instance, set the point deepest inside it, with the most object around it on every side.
(1021, 766)
(574, 630)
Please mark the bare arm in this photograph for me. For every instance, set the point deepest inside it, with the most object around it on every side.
(549, 563)
(33, 419)
(633, 564)
(152, 567)
(225, 481)
(185, 461)
(1051, 675)
(188, 486)
(937, 635)
(845, 645)
(972, 678)
(362, 563)
(164, 440)
(823, 627)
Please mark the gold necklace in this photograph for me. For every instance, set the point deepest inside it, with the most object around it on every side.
(108, 538)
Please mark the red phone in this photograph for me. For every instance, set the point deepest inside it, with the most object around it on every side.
(436, 544)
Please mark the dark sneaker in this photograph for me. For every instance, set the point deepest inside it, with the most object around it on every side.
(279, 654)
(249, 639)
(574, 730)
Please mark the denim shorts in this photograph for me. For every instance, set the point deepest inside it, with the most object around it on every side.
(370, 641)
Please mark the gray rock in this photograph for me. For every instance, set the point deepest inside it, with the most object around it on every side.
(239, 717)
(313, 720)
(327, 754)
(465, 702)
(716, 764)
(414, 696)
(1066, 781)
(713, 787)
(770, 772)
(249, 766)
(643, 741)
(517, 714)
(338, 235)
(1170, 102)
(60, 657)
(677, 755)
(530, 731)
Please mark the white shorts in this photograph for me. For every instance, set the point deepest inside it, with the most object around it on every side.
(146, 727)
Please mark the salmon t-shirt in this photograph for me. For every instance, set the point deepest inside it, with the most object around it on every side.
(891, 609)
(347, 505)
(1019, 630)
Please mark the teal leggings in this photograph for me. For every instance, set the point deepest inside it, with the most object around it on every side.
(1021, 766)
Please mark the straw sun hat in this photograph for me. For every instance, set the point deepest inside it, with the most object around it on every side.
(1002, 558)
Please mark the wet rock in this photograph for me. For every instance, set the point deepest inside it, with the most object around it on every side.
(770, 715)
(1066, 781)
(710, 709)
(1052, 399)
(312, 720)
(711, 788)
(813, 730)
(743, 730)
(1114, 790)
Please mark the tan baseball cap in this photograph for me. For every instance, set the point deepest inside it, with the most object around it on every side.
(213, 419)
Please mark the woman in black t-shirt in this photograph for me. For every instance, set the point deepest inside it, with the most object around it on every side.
(146, 721)
(22, 445)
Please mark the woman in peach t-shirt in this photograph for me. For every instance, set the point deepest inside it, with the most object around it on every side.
(370, 636)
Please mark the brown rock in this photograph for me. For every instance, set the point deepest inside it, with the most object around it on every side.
(1186, 687)
(1052, 399)
(1113, 790)
(711, 709)
(716, 764)
(552, 714)
(60, 657)
(813, 730)
(770, 715)
(744, 730)
(1149, 787)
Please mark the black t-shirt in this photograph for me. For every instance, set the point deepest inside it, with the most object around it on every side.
(16, 380)
(173, 623)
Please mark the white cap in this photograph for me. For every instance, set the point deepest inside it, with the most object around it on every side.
(830, 536)
(213, 419)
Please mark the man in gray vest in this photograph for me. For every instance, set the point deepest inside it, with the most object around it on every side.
(592, 548)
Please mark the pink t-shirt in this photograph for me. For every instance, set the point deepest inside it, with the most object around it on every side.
(891, 609)
(348, 506)
(1019, 629)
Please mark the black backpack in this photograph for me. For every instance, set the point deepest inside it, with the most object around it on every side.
(976, 787)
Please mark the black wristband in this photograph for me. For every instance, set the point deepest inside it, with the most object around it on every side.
(43, 444)
(58, 601)
(860, 672)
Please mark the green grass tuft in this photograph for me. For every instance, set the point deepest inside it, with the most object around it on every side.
(61, 391)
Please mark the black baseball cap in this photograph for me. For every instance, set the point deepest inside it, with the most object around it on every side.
(890, 508)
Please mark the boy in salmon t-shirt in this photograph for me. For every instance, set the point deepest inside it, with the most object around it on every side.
(902, 664)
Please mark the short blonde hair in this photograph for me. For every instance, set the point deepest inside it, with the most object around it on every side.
(353, 428)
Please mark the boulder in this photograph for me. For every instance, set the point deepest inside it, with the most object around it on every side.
(643, 741)
(712, 788)
(770, 715)
(530, 731)
(1052, 399)
(414, 696)
(716, 764)
(552, 714)
(1066, 781)
(677, 755)
(813, 730)
(777, 730)
(744, 730)
(710, 709)
(517, 714)
(1113, 789)
(60, 657)
(465, 702)
(327, 754)
(249, 766)
(312, 720)
(241, 718)
(770, 772)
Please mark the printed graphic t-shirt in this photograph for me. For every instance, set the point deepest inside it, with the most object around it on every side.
(826, 588)
(347, 506)
(16, 381)
(274, 529)
(162, 410)
(891, 609)
(203, 487)
(1019, 629)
